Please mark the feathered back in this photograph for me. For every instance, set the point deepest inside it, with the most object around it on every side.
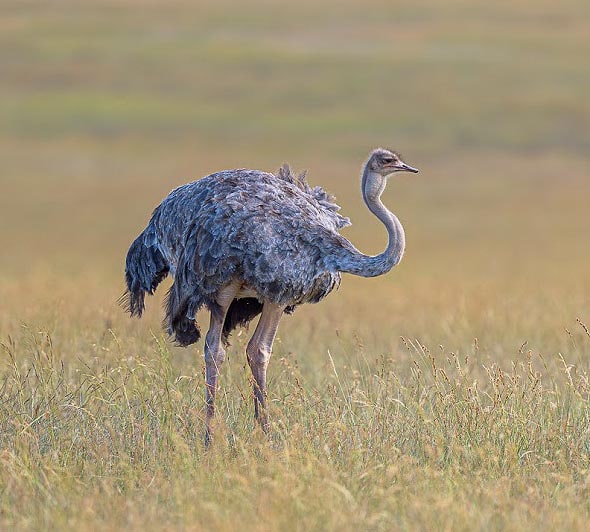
(273, 232)
(325, 199)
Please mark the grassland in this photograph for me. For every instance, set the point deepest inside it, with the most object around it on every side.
(451, 394)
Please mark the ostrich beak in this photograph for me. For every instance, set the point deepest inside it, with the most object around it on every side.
(407, 168)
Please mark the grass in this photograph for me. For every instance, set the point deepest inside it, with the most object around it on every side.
(451, 394)
(438, 440)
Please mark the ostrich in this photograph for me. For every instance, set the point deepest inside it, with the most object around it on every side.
(246, 242)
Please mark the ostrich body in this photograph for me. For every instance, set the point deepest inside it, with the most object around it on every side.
(245, 242)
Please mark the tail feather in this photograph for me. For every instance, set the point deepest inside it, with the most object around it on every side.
(181, 312)
(145, 268)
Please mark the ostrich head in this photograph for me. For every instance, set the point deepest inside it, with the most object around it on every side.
(381, 163)
(386, 162)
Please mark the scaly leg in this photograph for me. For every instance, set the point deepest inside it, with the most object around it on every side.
(215, 353)
(258, 351)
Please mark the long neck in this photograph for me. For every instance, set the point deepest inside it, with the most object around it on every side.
(353, 261)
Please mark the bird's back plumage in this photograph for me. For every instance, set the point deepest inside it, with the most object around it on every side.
(273, 233)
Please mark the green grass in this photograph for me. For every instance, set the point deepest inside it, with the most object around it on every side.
(451, 394)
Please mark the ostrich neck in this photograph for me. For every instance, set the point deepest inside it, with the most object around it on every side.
(357, 263)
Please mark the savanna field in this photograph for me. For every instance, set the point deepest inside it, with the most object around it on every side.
(452, 393)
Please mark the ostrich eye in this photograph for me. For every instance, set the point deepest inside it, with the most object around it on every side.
(387, 160)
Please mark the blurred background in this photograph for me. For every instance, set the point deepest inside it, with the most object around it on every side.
(106, 106)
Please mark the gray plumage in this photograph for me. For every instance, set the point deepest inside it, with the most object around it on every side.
(270, 231)
(273, 238)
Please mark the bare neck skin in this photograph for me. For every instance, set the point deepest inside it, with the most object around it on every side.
(353, 261)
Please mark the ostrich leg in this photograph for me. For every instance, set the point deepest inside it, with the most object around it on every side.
(214, 352)
(258, 351)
